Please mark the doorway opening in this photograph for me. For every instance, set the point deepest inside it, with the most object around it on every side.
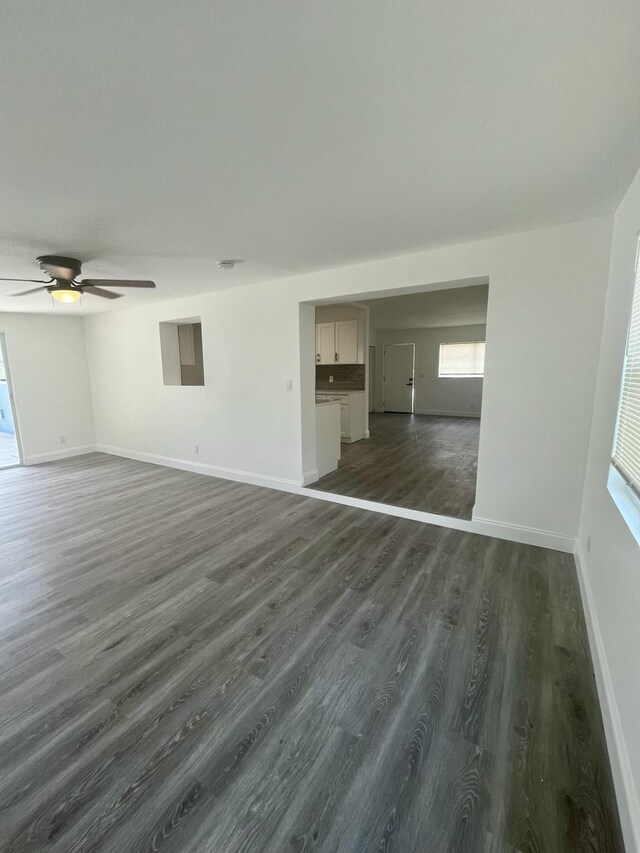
(423, 381)
(9, 444)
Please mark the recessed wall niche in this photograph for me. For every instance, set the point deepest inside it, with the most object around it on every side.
(181, 351)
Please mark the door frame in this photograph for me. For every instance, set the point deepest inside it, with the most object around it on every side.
(371, 385)
(413, 370)
(12, 402)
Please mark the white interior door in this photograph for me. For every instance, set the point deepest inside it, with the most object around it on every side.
(398, 370)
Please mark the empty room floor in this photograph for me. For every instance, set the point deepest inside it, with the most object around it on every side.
(416, 461)
(192, 664)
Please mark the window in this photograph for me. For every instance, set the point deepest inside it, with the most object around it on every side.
(626, 446)
(461, 361)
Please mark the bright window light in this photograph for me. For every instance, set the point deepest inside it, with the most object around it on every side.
(626, 446)
(461, 361)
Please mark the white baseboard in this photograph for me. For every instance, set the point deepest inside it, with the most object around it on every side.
(202, 468)
(626, 794)
(310, 477)
(526, 535)
(446, 413)
(53, 455)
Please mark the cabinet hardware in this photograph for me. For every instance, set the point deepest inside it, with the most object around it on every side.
(336, 356)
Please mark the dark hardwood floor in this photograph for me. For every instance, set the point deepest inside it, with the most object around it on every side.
(417, 461)
(191, 664)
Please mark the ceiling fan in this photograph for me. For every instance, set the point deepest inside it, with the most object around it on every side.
(63, 285)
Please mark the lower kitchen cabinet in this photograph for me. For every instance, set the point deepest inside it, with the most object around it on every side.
(352, 413)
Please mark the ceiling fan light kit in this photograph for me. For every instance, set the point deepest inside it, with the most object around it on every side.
(62, 295)
(62, 284)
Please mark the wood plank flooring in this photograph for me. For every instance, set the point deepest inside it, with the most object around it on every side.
(190, 664)
(417, 461)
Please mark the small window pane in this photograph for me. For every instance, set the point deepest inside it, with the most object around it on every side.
(462, 360)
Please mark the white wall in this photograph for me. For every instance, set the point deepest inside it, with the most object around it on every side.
(48, 363)
(434, 395)
(544, 319)
(611, 569)
(243, 419)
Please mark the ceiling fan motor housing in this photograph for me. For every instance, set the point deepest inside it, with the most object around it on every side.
(59, 267)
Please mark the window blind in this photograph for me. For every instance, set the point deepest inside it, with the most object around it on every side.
(462, 359)
(626, 448)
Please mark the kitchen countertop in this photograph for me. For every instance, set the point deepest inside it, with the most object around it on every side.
(327, 402)
(336, 391)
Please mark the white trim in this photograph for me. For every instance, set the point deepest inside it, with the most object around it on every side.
(526, 535)
(626, 795)
(53, 455)
(310, 476)
(203, 468)
(446, 413)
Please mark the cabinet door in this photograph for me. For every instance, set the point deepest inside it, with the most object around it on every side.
(347, 341)
(325, 343)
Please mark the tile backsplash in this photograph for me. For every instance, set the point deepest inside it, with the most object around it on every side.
(348, 377)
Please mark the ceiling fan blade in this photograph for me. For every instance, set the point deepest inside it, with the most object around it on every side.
(34, 280)
(108, 282)
(31, 290)
(98, 291)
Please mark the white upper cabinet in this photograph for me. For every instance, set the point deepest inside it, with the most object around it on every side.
(337, 343)
(326, 343)
(347, 341)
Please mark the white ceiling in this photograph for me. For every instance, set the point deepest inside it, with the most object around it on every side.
(156, 137)
(460, 306)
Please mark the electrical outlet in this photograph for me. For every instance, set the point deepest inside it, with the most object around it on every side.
(288, 386)
(196, 448)
(63, 439)
(331, 379)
